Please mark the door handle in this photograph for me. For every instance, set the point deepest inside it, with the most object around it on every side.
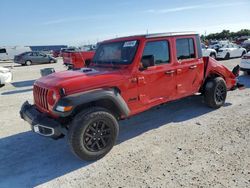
(193, 67)
(170, 72)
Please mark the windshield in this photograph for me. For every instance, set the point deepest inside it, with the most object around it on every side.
(116, 52)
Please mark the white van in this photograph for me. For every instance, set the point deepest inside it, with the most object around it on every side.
(8, 53)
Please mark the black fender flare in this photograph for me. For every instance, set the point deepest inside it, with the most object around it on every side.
(82, 98)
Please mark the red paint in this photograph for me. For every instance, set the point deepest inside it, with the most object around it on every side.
(151, 87)
(77, 59)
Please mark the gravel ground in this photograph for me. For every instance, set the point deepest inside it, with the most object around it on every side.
(181, 144)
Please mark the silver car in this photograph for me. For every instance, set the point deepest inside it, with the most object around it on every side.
(29, 58)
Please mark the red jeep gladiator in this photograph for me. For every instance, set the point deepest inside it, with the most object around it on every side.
(127, 76)
(77, 59)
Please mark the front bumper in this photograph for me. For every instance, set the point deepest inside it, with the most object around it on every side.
(40, 123)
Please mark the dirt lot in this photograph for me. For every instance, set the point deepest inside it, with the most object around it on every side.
(181, 144)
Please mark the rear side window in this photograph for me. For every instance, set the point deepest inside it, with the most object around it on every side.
(185, 48)
(158, 50)
(2, 50)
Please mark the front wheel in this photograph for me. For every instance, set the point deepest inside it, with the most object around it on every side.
(28, 63)
(213, 55)
(52, 61)
(215, 92)
(93, 133)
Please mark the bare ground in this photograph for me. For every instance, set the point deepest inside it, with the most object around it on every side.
(181, 144)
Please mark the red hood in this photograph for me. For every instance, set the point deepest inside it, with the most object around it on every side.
(81, 80)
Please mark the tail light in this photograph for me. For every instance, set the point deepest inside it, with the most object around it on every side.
(246, 57)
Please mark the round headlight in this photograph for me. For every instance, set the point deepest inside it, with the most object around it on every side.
(54, 96)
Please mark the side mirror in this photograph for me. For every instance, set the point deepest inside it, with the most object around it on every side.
(147, 61)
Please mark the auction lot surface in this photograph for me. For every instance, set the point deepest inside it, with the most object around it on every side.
(183, 143)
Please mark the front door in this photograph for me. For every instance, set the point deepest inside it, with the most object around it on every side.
(156, 83)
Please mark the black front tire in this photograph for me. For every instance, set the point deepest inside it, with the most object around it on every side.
(215, 92)
(93, 133)
(248, 72)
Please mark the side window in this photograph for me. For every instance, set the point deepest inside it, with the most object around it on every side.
(2, 51)
(155, 53)
(185, 48)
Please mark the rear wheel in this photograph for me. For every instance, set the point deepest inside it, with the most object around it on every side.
(227, 56)
(243, 53)
(215, 92)
(93, 133)
(28, 63)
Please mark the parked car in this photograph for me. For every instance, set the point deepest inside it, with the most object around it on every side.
(5, 76)
(246, 45)
(245, 63)
(230, 51)
(8, 53)
(29, 58)
(127, 76)
(216, 45)
(77, 59)
(208, 51)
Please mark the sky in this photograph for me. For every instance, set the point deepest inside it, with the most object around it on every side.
(79, 22)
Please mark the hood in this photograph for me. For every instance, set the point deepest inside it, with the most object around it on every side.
(74, 81)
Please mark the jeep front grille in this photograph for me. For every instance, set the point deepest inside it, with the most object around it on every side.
(40, 97)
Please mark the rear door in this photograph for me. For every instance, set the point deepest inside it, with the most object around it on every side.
(34, 57)
(43, 58)
(156, 83)
(189, 65)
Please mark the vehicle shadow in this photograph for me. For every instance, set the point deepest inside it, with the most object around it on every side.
(16, 91)
(26, 83)
(28, 160)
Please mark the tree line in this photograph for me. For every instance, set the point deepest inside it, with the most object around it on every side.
(226, 34)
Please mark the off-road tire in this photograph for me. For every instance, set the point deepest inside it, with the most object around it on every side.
(247, 72)
(28, 62)
(1, 85)
(227, 57)
(215, 92)
(82, 124)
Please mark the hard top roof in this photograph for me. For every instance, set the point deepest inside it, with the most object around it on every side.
(155, 35)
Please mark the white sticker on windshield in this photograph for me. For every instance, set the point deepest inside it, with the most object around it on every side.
(129, 44)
